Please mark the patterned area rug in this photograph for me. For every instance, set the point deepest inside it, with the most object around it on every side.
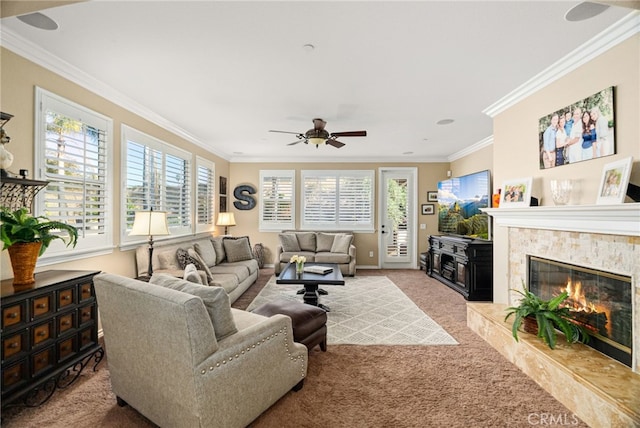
(367, 310)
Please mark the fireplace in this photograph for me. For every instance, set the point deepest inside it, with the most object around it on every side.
(601, 299)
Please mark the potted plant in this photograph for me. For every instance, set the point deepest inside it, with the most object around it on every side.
(549, 316)
(27, 237)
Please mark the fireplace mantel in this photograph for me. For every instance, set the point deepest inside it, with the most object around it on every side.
(622, 219)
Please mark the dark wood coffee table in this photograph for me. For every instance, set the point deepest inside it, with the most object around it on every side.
(311, 281)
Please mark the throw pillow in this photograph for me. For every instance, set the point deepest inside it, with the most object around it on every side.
(237, 249)
(307, 241)
(325, 241)
(215, 300)
(341, 243)
(191, 274)
(184, 259)
(219, 249)
(200, 263)
(206, 252)
(289, 242)
(168, 260)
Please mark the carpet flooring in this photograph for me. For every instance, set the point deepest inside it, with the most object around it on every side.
(367, 310)
(465, 386)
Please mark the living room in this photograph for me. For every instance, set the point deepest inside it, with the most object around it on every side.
(510, 151)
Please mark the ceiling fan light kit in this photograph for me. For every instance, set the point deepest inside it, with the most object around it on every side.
(318, 135)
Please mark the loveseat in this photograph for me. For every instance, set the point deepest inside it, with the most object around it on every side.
(223, 261)
(181, 356)
(319, 247)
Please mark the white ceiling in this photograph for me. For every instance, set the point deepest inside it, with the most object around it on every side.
(224, 73)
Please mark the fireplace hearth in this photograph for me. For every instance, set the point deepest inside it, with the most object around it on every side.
(602, 301)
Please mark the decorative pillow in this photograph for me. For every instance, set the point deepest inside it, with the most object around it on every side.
(341, 243)
(215, 300)
(237, 249)
(324, 241)
(307, 241)
(184, 259)
(191, 274)
(289, 242)
(202, 265)
(168, 260)
(219, 249)
(206, 252)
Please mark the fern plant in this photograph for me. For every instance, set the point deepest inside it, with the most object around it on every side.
(20, 227)
(550, 317)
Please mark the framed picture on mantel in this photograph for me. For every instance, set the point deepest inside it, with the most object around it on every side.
(516, 193)
(614, 182)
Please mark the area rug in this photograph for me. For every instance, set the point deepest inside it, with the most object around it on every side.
(367, 310)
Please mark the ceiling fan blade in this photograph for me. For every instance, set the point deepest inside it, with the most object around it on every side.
(335, 143)
(349, 134)
(286, 132)
(294, 143)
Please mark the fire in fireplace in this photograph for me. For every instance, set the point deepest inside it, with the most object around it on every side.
(601, 299)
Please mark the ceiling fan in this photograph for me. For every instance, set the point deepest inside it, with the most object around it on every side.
(318, 135)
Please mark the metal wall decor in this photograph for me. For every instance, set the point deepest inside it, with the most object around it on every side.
(244, 199)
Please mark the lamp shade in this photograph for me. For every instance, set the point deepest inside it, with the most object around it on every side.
(150, 223)
(226, 219)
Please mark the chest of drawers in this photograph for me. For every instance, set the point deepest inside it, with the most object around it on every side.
(49, 333)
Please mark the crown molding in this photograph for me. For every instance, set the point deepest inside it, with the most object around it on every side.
(45, 59)
(612, 36)
(472, 148)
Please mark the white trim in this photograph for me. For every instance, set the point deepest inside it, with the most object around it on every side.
(485, 142)
(621, 219)
(36, 54)
(602, 42)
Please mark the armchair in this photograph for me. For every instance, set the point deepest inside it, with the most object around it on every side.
(165, 361)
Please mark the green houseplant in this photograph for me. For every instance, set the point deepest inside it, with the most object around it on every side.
(549, 315)
(27, 237)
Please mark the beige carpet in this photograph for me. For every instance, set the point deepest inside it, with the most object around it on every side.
(367, 310)
(465, 386)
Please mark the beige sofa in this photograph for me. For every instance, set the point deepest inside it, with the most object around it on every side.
(223, 261)
(167, 361)
(319, 247)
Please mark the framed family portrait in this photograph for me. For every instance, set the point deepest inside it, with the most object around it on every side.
(614, 182)
(428, 209)
(516, 193)
(432, 196)
(578, 132)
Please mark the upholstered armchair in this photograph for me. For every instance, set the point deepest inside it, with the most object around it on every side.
(181, 362)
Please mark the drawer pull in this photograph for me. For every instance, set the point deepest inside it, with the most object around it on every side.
(64, 348)
(41, 305)
(65, 323)
(15, 375)
(14, 345)
(66, 297)
(41, 360)
(12, 315)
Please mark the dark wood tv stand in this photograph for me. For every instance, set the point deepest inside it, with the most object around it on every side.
(463, 264)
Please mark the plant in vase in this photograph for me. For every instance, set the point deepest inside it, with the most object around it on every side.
(299, 261)
(27, 237)
(548, 316)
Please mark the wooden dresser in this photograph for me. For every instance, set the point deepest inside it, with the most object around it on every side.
(49, 334)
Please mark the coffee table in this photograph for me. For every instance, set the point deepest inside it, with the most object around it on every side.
(311, 281)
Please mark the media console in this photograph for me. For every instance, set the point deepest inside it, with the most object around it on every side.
(463, 264)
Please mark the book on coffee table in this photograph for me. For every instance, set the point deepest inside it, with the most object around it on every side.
(322, 270)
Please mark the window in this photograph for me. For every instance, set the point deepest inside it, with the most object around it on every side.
(339, 200)
(205, 195)
(156, 175)
(277, 207)
(73, 149)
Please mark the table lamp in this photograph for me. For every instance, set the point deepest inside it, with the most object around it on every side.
(150, 223)
(226, 220)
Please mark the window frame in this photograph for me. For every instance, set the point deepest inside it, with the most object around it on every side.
(204, 163)
(129, 133)
(93, 244)
(337, 224)
(277, 226)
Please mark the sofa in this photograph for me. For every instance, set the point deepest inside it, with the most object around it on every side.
(182, 357)
(319, 247)
(222, 261)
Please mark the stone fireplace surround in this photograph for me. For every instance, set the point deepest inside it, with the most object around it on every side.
(600, 390)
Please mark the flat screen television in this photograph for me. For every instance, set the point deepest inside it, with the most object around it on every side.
(459, 203)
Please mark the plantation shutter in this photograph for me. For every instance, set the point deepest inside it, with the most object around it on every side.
(205, 195)
(72, 151)
(341, 200)
(277, 200)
